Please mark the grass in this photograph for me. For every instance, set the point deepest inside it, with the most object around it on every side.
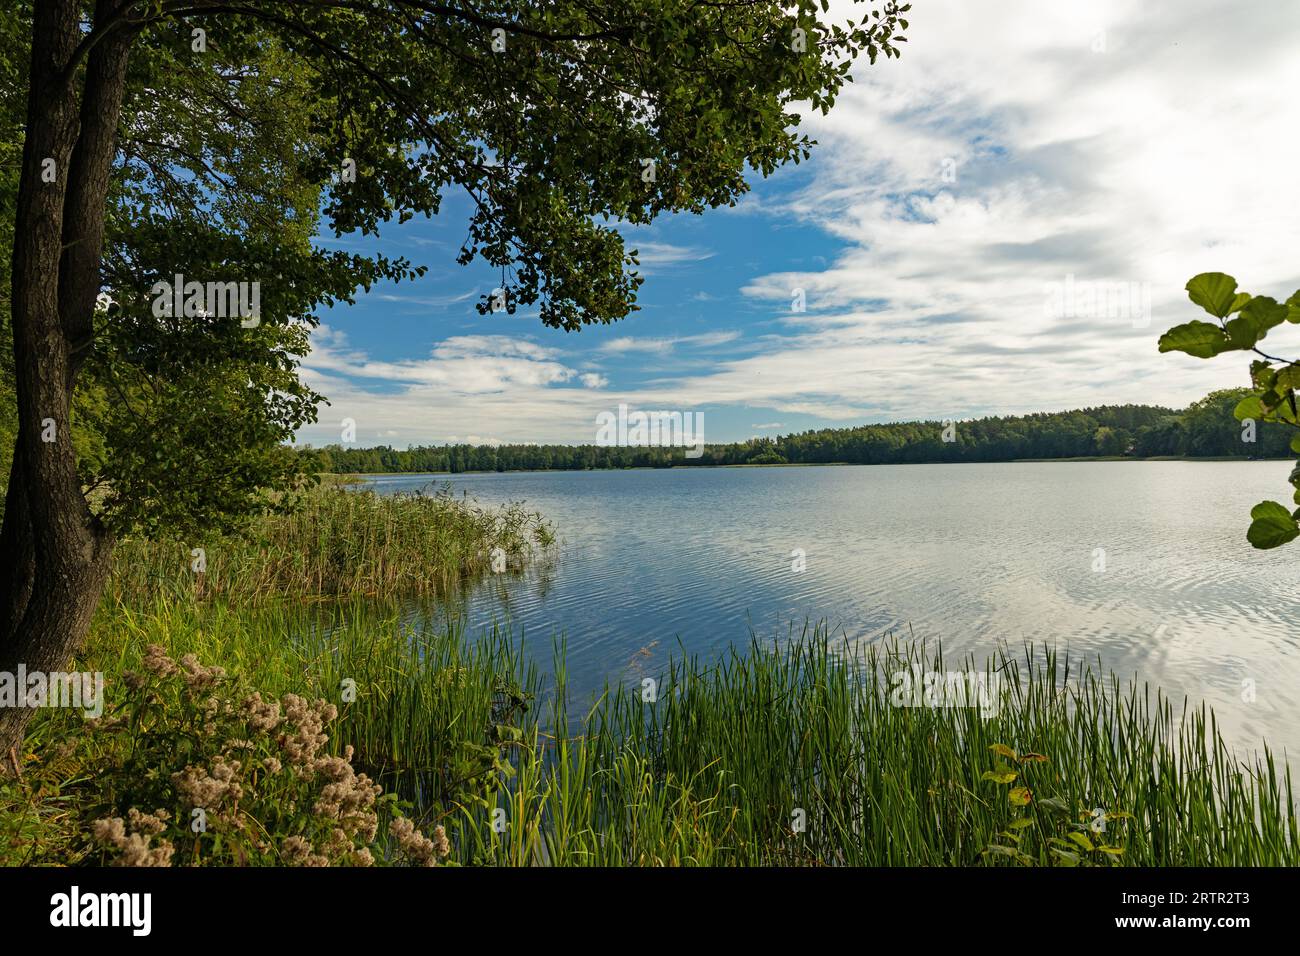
(791, 752)
(423, 715)
(341, 542)
(796, 753)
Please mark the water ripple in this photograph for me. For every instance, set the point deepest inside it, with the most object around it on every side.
(1144, 564)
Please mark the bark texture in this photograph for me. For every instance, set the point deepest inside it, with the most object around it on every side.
(54, 553)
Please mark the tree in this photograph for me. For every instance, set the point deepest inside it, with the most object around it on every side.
(1209, 427)
(1109, 441)
(1164, 437)
(1272, 397)
(211, 139)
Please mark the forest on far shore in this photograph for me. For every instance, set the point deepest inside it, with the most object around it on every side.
(1205, 429)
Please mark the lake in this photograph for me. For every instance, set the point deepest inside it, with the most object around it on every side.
(1143, 564)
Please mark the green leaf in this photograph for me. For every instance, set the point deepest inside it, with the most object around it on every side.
(1053, 803)
(1260, 314)
(1019, 797)
(1082, 840)
(1200, 339)
(1004, 851)
(1287, 378)
(1003, 750)
(1278, 404)
(1020, 823)
(1262, 374)
(1243, 333)
(1265, 310)
(1271, 526)
(1006, 776)
(1214, 292)
(1295, 443)
(1293, 308)
(1248, 407)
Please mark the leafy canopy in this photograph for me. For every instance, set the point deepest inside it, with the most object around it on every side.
(249, 129)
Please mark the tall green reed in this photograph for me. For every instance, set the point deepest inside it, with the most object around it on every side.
(791, 752)
(798, 753)
(339, 542)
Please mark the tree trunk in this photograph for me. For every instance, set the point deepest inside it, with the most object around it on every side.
(17, 555)
(56, 553)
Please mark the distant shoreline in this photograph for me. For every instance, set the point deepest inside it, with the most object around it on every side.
(1207, 430)
(805, 464)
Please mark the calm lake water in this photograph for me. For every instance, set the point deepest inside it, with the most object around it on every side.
(972, 555)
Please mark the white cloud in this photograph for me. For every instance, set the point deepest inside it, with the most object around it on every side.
(473, 440)
(1170, 153)
(436, 301)
(513, 388)
(661, 346)
(659, 255)
(466, 364)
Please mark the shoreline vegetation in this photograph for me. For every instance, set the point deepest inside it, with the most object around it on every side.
(281, 713)
(1205, 430)
(341, 541)
(361, 475)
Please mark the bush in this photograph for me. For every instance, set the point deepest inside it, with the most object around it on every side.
(192, 767)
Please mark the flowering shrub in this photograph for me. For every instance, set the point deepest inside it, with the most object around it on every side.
(209, 773)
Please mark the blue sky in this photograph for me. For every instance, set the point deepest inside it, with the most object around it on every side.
(1111, 149)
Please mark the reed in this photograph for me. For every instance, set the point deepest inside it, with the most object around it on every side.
(798, 753)
(792, 752)
(338, 542)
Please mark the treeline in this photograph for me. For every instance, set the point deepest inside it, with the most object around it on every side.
(1205, 429)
